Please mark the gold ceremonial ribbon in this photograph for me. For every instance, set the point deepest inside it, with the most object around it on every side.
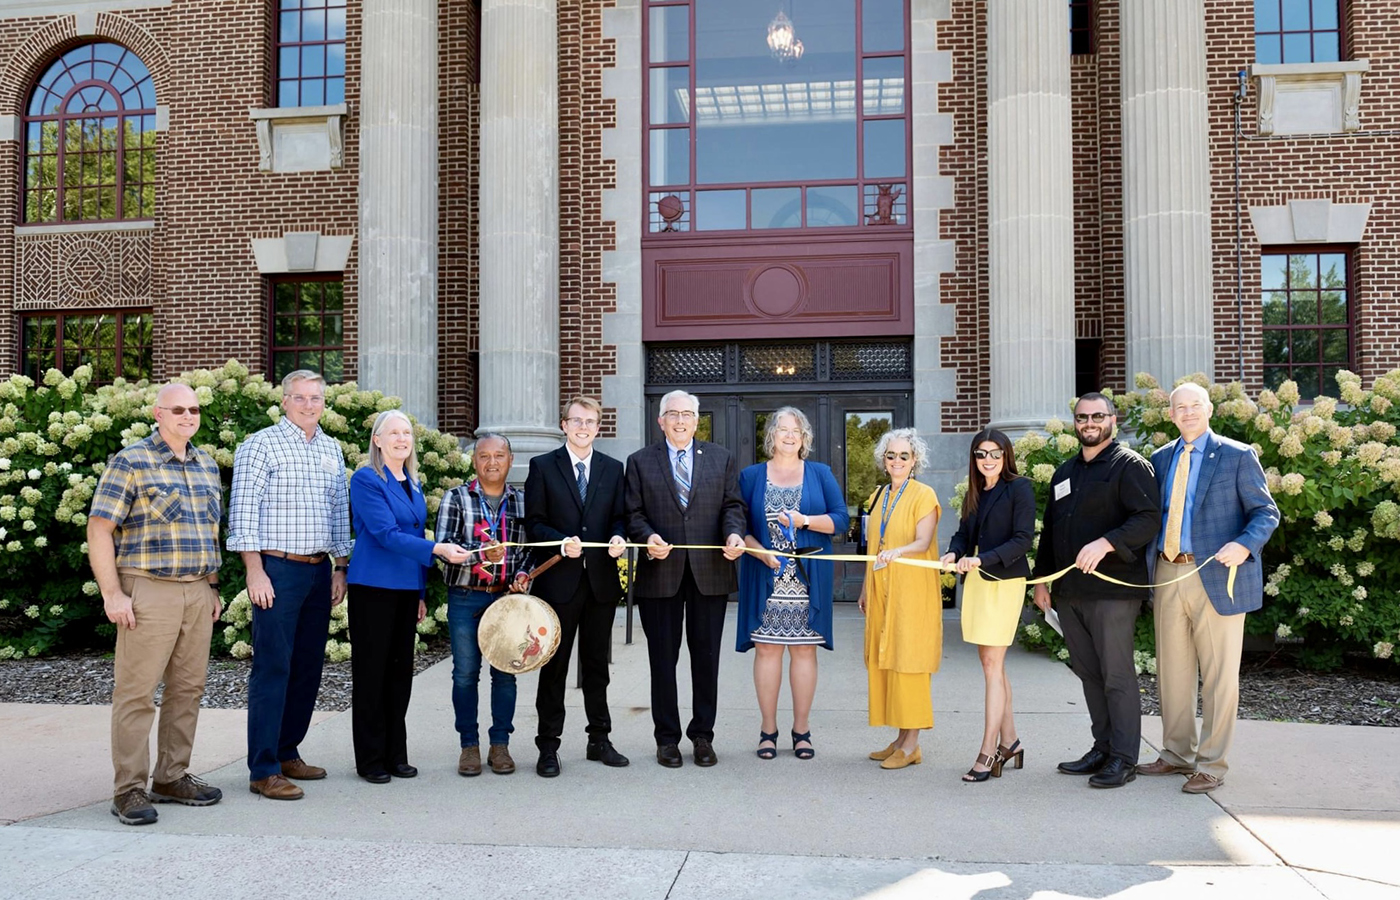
(863, 558)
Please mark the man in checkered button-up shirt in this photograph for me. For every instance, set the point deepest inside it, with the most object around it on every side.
(289, 516)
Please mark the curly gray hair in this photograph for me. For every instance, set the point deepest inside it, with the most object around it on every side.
(770, 430)
(916, 444)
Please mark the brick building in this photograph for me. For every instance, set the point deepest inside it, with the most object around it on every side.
(939, 213)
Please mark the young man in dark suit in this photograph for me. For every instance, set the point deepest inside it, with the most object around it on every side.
(684, 491)
(574, 495)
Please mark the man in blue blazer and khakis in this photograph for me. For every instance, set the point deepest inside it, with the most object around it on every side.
(1215, 504)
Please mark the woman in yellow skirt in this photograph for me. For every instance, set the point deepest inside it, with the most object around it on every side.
(903, 604)
(994, 535)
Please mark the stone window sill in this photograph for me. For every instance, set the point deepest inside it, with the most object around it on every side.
(300, 138)
(1309, 98)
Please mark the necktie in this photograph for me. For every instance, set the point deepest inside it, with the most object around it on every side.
(582, 482)
(1176, 507)
(682, 479)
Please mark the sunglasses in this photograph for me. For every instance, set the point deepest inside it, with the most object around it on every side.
(891, 455)
(986, 454)
(181, 410)
(1081, 418)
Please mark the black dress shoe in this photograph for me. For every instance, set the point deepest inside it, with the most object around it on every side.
(704, 753)
(403, 770)
(377, 776)
(1087, 764)
(548, 766)
(604, 752)
(669, 755)
(1116, 773)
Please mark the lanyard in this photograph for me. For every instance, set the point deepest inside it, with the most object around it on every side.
(887, 509)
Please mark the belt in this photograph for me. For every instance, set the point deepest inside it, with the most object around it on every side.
(142, 573)
(489, 588)
(1180, 560)
(295, 557)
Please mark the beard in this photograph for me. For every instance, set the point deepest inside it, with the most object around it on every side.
(1105, 434)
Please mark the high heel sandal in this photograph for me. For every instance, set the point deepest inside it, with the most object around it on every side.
(993, 764)
(1014, 752)
(768, 752)
(803, 752)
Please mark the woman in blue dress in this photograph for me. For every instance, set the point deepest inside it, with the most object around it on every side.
(793, 503)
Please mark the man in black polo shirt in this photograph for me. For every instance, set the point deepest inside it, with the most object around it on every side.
(1104, 512)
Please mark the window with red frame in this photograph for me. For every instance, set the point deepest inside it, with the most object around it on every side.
(310, 52)
(1297, 31)
(308, 326)
(1307, 309)
(116, 344)
(90, 139)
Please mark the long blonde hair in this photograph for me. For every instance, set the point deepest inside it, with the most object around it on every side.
(376, 456)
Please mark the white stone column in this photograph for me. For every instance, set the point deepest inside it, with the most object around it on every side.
(1166, 190)
(398, 203)
(519, 225)
(1030, 219)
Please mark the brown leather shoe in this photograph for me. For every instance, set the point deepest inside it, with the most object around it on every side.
(1201, 783)
(302, 771)
(469, 763)
(276, 787)
(498, 758)
(1162, 767)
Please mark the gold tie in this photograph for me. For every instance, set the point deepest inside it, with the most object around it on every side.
(1171, 543)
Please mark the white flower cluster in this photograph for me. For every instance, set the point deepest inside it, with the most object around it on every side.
(1144, 662)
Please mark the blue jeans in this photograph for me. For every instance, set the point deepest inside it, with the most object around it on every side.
(289, 648)
(464, 609)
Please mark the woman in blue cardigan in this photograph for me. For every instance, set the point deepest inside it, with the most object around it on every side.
(792, 503)
(387, 572)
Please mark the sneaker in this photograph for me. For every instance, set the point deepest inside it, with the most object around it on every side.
(134, 808)
(188, 790)
(499, 759)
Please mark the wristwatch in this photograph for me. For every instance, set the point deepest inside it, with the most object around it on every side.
(806, 520)
(336, 567)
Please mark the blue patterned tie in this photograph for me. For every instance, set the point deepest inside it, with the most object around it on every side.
(682, 479)
(582, 482)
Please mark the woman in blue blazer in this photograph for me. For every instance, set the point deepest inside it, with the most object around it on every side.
(388, 571)
(792, 503)
(995, 533)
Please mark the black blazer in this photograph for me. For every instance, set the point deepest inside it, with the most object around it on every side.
(716, 510)
(1004, 529)
(553, 512)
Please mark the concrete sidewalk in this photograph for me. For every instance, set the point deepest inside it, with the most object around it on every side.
(1307, 811)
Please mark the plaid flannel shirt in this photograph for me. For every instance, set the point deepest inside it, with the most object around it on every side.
(289, 494)
(465, 519)
(167, 509)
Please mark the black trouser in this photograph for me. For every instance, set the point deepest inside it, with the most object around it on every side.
(382, 627)
(592, 622)
(703, 618)
(1099, 635)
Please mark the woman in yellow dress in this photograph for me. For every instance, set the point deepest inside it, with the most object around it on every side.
(903, 604)
(995, 533)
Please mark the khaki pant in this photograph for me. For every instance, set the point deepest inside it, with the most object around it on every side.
(170, 643)
(1193, 639)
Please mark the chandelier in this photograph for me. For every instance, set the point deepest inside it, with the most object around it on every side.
(782, 39)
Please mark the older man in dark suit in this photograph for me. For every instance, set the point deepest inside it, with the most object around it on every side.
(1215, 504)
(684, 491)
(574, 495)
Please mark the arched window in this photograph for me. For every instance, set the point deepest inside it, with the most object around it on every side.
(90, 138)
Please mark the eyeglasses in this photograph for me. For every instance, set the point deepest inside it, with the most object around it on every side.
(1081, 418)
(788, 432)
(904, 455)
(181, 410)
(576, 422)
(307, 399)
(986, 454)
(683, 415)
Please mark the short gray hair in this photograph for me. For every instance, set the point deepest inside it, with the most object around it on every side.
(690, 399)
(487, 435)
(376, 456)
(770, 430)
(916, 444)
(1190, 387)
(303, 375)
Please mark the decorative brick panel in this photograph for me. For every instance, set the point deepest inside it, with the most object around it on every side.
(85, 269)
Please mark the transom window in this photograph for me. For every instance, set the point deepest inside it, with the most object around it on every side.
(115, 344)
(1297, 31)
(1307, 301)
(90, 138)
(307, 316)
(310, 52)
(759, 119)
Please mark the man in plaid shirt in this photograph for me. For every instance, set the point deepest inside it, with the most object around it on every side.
(484, 513)
(153, 543)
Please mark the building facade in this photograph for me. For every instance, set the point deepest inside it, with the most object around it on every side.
(937, 213)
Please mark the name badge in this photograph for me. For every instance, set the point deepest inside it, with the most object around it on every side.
(329, 465)
(1062, 490)
(879, 564)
